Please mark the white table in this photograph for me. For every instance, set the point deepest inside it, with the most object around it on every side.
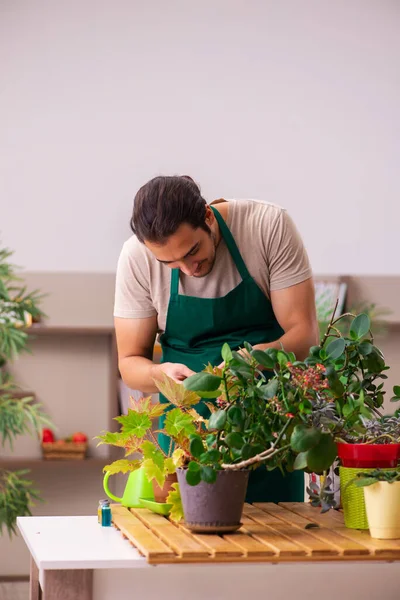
(74, 558)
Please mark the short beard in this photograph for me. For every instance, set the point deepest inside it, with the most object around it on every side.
(213, 237)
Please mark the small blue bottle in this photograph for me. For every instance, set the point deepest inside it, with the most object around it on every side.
(104, 513)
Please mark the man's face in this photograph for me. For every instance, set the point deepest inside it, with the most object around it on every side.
(190, 250)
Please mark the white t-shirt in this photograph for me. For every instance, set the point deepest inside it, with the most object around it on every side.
(267, 239)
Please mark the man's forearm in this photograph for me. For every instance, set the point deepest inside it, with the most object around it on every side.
(298, 340)
(138, 373)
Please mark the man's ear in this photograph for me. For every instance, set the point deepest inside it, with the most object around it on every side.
(210, 217)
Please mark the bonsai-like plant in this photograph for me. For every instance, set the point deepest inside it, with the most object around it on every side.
(297, 416)
(18, 415)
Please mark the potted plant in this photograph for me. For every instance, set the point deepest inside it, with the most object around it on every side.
(249, 426)
(382, 500)
(137, 437)
(19, 413)
(333, 397)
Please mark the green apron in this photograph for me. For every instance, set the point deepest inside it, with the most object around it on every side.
(195, 331)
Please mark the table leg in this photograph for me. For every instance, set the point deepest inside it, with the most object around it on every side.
(35, 593)
(68, 584)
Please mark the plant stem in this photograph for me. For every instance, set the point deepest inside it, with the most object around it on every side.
(156, 443)
(255, 459)
(265, 455)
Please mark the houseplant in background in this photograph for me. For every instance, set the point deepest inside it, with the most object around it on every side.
(382, 500)
(18, 414)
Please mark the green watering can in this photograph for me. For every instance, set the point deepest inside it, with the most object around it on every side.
(136, 487)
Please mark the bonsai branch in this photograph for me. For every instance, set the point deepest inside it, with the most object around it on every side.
(265, 455)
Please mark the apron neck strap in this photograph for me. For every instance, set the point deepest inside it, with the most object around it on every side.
(232, 247)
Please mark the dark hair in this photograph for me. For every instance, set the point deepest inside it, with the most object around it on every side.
(163, 204)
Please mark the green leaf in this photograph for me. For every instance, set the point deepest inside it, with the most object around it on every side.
(270, 389)
(263, 359)
(211, 456)
(178, 457)
(226, 353)
(337, 388)
(314, 351)
(196, 446)
(335, 349)
(300, 461)
(174, 498)
(208, 474)
(152, 471)
(303, 438)
(365, 481)
(234, 440)
(150, 451)
(217, 420)
(321, 456)
(235, 415)
(396, 390)
(178, 423)
(282, 358)
(134, 423)
(365, 348)
(169, 466)
(193, 477)
(202, 382)
(360, 326)
(248, 451)
(122, 466)
(193, 466)
(347, 411)
(395, 399)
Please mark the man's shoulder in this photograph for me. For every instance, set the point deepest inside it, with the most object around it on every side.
(132, 249)
(255, 211)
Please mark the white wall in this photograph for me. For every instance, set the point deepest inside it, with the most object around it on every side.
(292, 101)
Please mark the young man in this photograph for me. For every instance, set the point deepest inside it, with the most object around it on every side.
(200, 275)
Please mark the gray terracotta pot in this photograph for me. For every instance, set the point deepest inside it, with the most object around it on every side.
(214, 507)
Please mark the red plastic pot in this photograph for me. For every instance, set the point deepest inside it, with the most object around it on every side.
(369, 456)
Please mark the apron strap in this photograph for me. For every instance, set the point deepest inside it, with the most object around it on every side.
(232, 247)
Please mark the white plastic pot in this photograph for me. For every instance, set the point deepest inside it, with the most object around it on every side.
(382, 502)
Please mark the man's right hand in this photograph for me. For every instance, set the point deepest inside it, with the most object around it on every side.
(175, 371)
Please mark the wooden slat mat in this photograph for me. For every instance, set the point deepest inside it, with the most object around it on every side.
(270, 533)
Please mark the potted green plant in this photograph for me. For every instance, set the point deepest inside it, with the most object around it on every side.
(19, 414)
(333, 397)
(382, 500)
(138, 437)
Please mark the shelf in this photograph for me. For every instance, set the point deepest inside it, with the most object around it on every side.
(11, 463)
(51, 330)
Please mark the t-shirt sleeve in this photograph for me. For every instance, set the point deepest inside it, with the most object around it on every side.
(132, 292)
(287, 257)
